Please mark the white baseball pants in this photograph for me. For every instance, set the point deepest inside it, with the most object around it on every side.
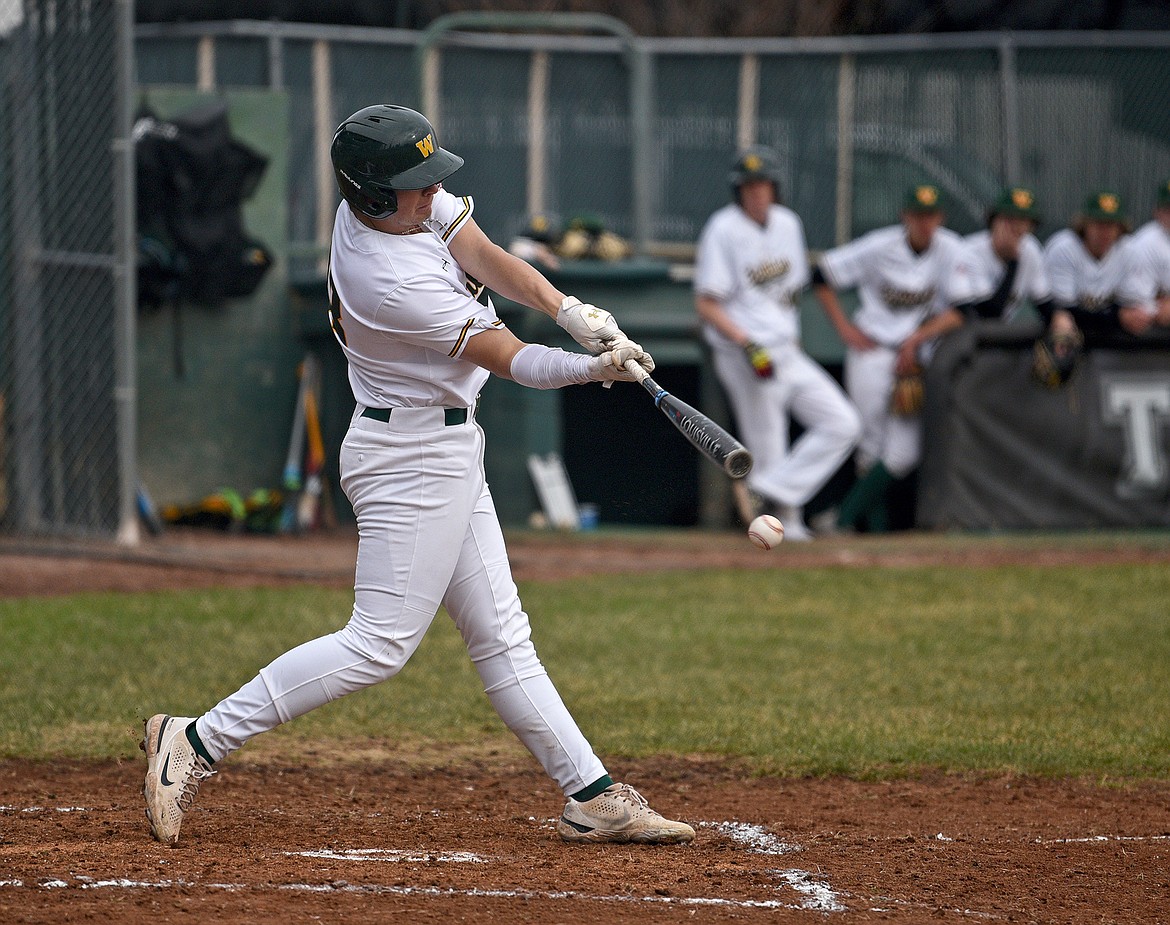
(787, 474)
(894, 440)
(428, 535)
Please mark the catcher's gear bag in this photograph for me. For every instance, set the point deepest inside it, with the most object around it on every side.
(385, 148)
(1055, 357)
(906, 399)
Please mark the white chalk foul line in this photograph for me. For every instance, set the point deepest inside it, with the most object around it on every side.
(1090, 839)
(341, 886)
(394, 856)
(753, 837)
(815, 894)
(42, 809)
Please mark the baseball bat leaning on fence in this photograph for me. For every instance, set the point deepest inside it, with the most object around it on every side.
(292, 477)
(309, 506)
(708, 437)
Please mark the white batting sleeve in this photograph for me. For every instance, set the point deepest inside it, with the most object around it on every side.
(539, 367)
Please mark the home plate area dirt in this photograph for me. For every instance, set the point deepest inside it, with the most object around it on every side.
(472, 840)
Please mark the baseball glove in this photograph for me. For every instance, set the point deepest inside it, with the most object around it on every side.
(906, 400)
(1055, 357)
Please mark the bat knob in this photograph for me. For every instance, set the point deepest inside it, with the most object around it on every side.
(738, 463)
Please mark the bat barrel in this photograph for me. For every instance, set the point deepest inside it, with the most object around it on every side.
(708, 437)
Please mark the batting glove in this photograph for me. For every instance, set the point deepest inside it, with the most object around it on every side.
(760, 360)
(642, 357)
(611, 365)
(592, 327)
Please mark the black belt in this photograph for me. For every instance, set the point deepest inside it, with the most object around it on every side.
(451, 416)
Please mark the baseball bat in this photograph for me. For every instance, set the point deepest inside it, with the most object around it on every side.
(292, 478)
(308, 510)
(707, 437)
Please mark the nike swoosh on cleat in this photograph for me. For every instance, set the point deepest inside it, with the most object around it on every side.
(163, 776)
(162, 728)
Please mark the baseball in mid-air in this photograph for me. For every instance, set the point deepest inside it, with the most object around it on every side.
(766, 531)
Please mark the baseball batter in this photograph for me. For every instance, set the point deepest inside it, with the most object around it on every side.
(1089, 269)
(1006, 261)
(1149, 283)
(750, 267)
(407, 278)
(909, 278)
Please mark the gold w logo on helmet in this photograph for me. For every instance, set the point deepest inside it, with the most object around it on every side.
(1022, 198)
(1108, 202)
(426, 146)
(927, 195)
(752, 162)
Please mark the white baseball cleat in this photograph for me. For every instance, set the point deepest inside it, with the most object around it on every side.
(173, 774)
(620, 814)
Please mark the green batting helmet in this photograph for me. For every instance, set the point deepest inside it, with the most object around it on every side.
(385, 148)
(755, 163)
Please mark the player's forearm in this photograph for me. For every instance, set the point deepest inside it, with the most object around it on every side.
(937, 326)
(711, 311)
(827, 297)
(519, 281)
(504, 273)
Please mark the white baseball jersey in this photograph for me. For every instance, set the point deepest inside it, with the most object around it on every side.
(1077, 278)
(987, 271)
(898, 288)
(755, 272)
(403, 310)
(1149, 277)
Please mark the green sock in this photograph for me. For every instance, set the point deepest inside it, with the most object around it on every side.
(197, 743)
(592, 790)
(866, 493)
(878, 516)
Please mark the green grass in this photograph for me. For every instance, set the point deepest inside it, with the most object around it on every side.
(866, 672)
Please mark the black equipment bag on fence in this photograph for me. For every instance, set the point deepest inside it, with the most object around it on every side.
(192, 179)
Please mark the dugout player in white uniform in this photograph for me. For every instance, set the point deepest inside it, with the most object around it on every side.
(1149, 285)
(408, 268)
(1006, 261)
(751, 265)
(907, 275)
(1090, 269)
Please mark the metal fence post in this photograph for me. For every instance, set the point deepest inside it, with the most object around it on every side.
(846, 103)
(1009, 109)
(126, 282)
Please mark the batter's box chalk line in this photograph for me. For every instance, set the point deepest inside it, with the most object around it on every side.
(815, 893)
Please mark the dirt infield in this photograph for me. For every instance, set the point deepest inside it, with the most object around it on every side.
(473, 842)
(469, 838)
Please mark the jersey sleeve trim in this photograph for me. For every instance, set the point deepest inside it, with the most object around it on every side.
(462, 338)
(467, 330)
(459, 219)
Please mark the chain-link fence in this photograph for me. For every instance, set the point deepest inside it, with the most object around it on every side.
(637, 132)
(641, 132)
(66, 269)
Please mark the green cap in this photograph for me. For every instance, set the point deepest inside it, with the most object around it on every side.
(1104, 206)
(1164, 193)
(1016, 202)
(922, 197)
